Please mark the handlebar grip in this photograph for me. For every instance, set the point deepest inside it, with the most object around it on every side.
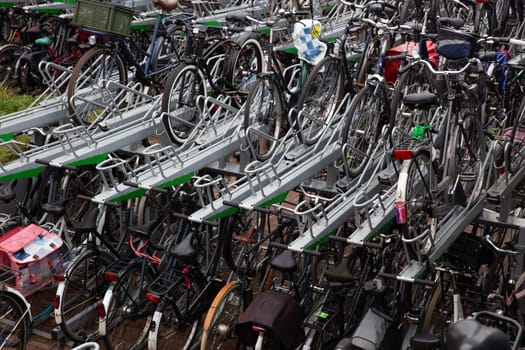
(231, 203)
(131, 184)
(262, 210)
(339, 239)
(395, 58)
(415, 280)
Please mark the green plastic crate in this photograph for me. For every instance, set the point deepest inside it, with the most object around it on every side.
(104, 17)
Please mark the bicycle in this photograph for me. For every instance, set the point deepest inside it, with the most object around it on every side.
(15, 315)
(90, 97)
(212, 63)
(273, 95)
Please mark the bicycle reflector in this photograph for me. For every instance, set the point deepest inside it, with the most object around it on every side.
(59, 277)
(101, 310)
(56, 302)
(110, 276)
(153, 298)
(403, 154)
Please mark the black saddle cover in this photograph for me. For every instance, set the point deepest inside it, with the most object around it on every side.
(472, 335)
(277, 312)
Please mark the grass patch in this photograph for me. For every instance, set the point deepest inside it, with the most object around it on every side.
(10, 102)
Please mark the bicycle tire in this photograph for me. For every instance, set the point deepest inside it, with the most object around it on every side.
(417, 198)
(243, 65)
(95, 66)
(241, 230)
(319, 98)
(219, 323)
(363, 122)
(512, 158)
(165, 330)
(13, 323)
(264, 110)
(166, 56)
(84, 287)
(411, 81)
(126, 327)
(183, 85)
(8, 58)
(469, 156)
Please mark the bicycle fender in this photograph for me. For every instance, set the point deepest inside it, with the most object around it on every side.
(152, 334)
(59, 294)
(102, 321)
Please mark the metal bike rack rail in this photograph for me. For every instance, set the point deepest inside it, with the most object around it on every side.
(71, 141)
(292, 163)
(214, 138)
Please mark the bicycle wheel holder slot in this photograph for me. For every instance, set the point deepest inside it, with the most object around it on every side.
(67, 134)
(56, 84)
(208, 187)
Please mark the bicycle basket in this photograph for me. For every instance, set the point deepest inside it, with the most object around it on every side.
(454, 44)
(33, 255)
(103, 17)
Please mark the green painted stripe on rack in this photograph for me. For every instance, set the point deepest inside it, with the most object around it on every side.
(7, 137)
(23, 174)
(91, 160)
(279, 198)
(49, 11)
(213, 24)
(7, 4)
(141, 191)
(178, 181)
(130, 195)
(223, 214)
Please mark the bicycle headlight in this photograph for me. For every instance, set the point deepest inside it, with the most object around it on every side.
(92, 40)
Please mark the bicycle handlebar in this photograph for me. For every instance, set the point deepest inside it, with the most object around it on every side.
(498, 249)
(412, 280)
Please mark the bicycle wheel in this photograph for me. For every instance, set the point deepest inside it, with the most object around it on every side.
(166, 56)
(179, 101)
(90, 99)
(168, 330)
(513, 158)
(8, 58)
(129, 313)
(219, 324)
(319, 99)
(264, 117)
(243, 231)
(469, 156)
(364, 119)
(401, 119)
(79, 294)
(13, 323)
(243, 65)
(419, 181)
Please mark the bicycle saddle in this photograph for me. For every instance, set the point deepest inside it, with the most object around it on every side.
(340, 273)
(7, 191)
(167, 5)
(185, 250)
(456, 23)
(284, 262)
(472, 335)
(88, 223)
(57, 208)
(420, 100)
(143, 231)
(425, 342)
